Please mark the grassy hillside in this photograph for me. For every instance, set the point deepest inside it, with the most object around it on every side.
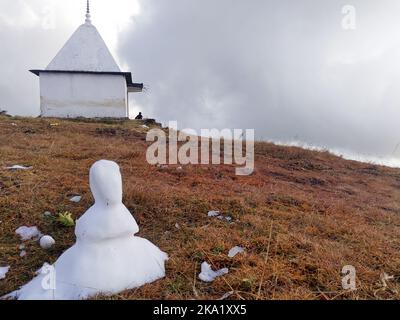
(301, 216)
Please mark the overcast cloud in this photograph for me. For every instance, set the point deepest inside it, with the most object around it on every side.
(283, 67)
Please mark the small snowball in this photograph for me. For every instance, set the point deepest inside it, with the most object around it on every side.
(76, 199)
(234, 251)
(208, 275)
(46, 242)
(27, 233)
(3, 272)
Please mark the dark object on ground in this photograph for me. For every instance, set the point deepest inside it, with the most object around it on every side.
(4, 113)
(139, 116)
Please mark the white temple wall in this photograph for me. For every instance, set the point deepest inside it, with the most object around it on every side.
(72, 95)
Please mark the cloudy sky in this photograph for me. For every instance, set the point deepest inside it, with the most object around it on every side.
(286, 68)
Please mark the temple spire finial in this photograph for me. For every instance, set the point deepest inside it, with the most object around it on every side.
(88, 16)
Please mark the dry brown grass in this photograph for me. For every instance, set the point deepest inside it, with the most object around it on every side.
(301, 216)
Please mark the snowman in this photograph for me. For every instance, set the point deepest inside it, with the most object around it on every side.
(107, 258)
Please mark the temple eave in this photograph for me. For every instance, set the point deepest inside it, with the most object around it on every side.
(132, 87)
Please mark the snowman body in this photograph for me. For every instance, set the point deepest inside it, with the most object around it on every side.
(107, 257)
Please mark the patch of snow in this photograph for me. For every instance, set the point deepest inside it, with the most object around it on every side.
(107, 257)
(22, 247)
(218, 215)
(76, 199)
(213, 213)
(47, 214)
(3, 272)
(46, 242)
(209, 275)
(27, 233)
(227, 218)
(234, 251)
(145, 127)
(18, 167)
(22, 254)
(177, 226)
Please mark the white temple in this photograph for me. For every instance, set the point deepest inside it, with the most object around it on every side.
(83, 80)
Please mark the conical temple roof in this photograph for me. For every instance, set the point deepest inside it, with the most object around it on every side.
(84, 51)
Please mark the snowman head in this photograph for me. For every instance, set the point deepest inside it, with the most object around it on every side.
(106, 183)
